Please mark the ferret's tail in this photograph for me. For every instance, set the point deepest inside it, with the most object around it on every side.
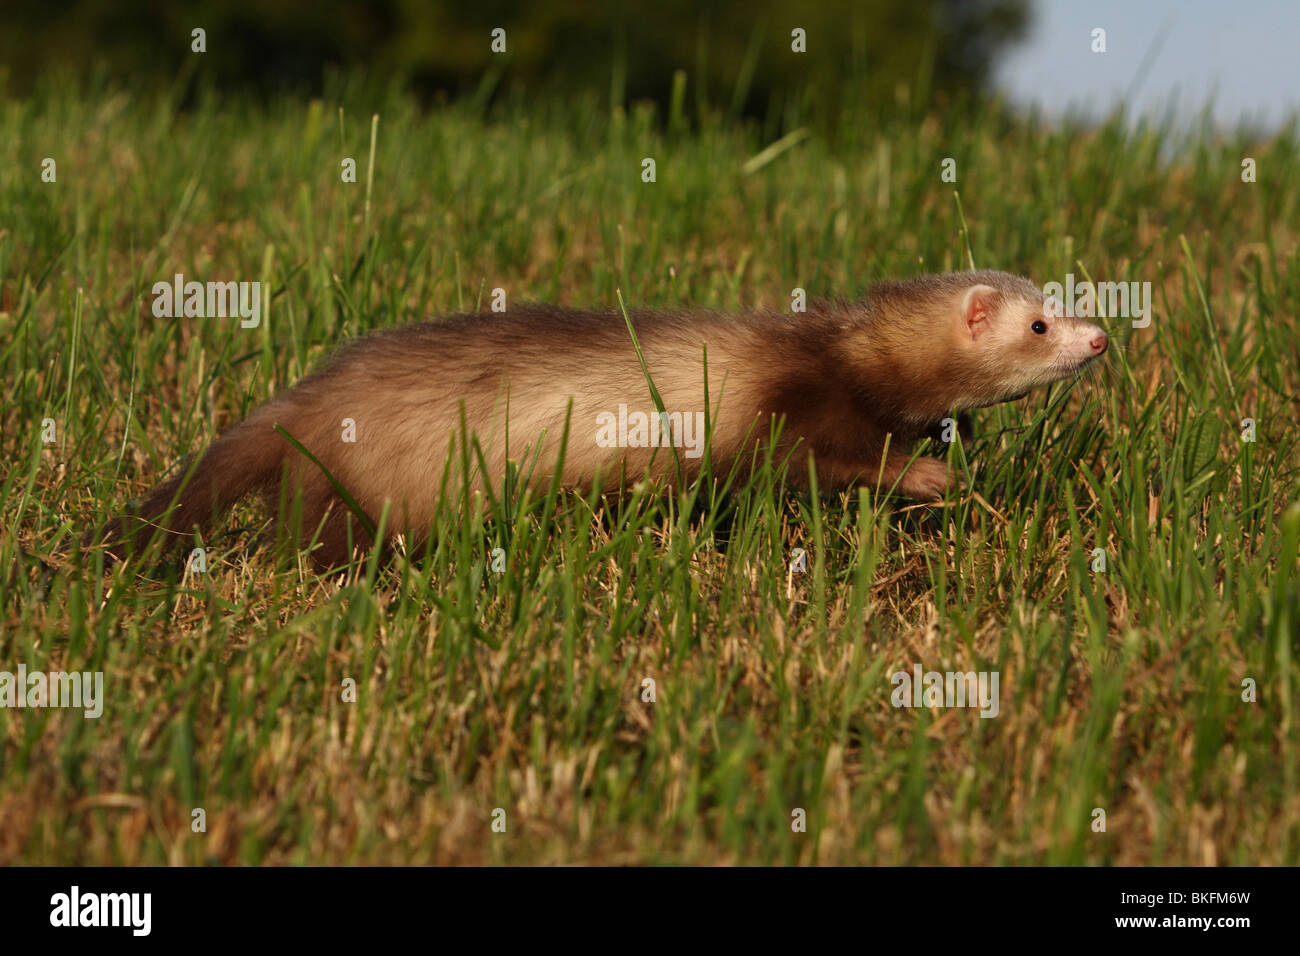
(247, 458)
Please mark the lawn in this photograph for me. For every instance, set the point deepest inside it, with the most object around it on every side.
(447, 707)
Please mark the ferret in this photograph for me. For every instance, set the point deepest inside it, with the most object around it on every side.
(851, 384)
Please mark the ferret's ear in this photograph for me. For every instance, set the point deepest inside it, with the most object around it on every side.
(977, 307)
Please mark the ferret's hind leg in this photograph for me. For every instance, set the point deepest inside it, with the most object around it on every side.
(315, 519)
(332, 532)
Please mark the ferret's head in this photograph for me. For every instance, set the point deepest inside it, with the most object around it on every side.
(966, 340)
(1002, 328)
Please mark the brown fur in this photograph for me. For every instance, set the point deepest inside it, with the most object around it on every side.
(843, 377)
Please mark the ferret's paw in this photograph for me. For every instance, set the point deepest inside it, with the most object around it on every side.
(926, 480)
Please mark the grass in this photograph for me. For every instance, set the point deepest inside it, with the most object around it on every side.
(522, 690)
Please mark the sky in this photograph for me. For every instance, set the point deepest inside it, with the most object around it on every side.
(1243, 53)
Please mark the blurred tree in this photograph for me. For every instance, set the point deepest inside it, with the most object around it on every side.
(737, 53)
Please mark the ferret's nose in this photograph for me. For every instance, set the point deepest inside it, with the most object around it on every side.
(1100, 343)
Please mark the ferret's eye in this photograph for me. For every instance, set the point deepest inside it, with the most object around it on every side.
(1039, 327)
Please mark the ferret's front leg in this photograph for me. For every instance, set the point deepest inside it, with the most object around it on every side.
(924, 479)
(965, 428)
